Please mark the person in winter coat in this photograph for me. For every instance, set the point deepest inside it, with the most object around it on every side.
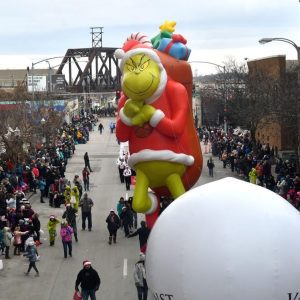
(282, 187)
(86, 179)
(100, 128)
(66, 232)
(224, 159)
(210, 165)
(36, 226)
(232, 160)
(77, 180)
(7, 236)
(70, 215)
(86, 205)
(2, 246)
(121, 203)
(3, 205)
(252, 176)
(127, 218)
(32, 255)
(127, 177)
(75, 196)
(113, 224)
(139, 276)
(112, 126)
(80, 190)
(89, 281)
(67, 194)
(11, 202)
(87, 161)
(17, 239)
(52, 224)
(42, 186)
(270, 182)
(143, 233)
(28, 211)
(121, 166)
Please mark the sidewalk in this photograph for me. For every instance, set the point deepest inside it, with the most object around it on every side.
(219, 171)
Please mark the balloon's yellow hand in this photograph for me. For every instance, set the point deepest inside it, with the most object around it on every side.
(131, 108)
(143, 116)
(148, 112)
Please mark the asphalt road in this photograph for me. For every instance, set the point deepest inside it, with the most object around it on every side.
(114, 263)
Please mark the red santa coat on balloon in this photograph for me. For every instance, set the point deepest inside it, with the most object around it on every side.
(165, 137)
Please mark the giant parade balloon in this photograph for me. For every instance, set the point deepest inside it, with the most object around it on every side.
(155, 117)
(228, 239)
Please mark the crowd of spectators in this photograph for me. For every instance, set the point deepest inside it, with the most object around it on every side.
(43, 170)
(252, 161)
(105, 111)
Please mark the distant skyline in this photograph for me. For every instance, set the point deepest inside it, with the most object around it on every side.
(215, 30)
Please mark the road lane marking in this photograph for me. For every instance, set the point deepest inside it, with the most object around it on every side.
(125, 268)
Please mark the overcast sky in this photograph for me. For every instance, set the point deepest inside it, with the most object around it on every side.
(216, 30)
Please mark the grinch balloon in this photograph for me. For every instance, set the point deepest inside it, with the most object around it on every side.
(155, 117)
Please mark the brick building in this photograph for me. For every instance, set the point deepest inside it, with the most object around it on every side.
(281, 135)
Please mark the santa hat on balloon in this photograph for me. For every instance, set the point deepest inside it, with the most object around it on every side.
(138, 43)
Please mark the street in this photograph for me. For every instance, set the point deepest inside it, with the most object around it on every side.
(114, 263)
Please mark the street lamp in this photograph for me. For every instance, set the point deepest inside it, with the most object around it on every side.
(225, 88)
(40, 61)
(49, 74)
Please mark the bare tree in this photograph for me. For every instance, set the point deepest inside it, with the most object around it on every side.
(18, 112)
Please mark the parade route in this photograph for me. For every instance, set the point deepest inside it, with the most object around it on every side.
(115, 262)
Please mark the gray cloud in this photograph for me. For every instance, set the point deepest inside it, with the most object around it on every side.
(53, 26)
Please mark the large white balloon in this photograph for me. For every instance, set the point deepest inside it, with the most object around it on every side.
(228, 240)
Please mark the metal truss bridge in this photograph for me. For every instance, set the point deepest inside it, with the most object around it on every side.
(90, 70)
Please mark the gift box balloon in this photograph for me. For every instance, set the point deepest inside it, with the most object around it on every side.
(175, 47)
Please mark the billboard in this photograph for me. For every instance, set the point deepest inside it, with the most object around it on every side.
(37, 83)
(58, 83)
(56, 105)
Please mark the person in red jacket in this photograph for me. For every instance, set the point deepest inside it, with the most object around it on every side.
(86, 179)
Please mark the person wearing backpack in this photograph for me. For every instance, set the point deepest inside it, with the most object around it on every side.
(32, 255)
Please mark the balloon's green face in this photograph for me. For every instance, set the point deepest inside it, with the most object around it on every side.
(141, 77)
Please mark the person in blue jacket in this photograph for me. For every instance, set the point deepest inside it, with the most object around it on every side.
(42, 185)
(32, 255)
